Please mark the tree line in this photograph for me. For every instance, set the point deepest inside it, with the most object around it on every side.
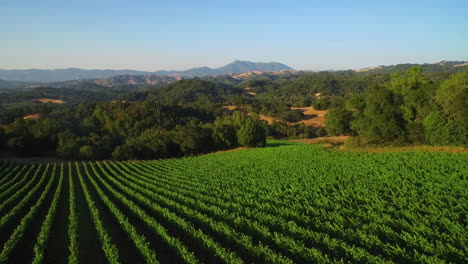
(409, 108)
(133, 130)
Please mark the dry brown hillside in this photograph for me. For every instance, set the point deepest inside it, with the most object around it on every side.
(48, 100)
(32, 117)
(312, 117)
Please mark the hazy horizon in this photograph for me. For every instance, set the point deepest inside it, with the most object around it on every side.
(179, 35)
(217, 66)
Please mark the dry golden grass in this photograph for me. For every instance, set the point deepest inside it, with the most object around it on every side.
(229, 150)
(332, 139)
(245, 75)
(32, 117)
(368, 69)
(460, 65)
(230, 107)
(248, 91)
(312, 117)
(270, 120)
(48, 100)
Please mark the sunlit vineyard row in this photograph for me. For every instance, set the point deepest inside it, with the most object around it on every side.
(286, 203)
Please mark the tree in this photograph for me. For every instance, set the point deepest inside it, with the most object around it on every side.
(124, 152)
(415, 132)
(19, 127)
(86, 152)
(154, 143)
(337, 122)
(303, 102)
(321, 103)
(453, 97)
(442, 131)
(192, 139)
(237, 100)
(16, 143)
(2, 138)
(68, 145)
(224, 135)
(403, 82)
(252, 134)
(237, 119)
(46, 129)
(414, 92)
(382, 120)
(292, 116)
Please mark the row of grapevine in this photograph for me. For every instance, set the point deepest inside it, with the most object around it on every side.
(22, 193)
(139, 240)
(18, 233)
(259, 225)
(44, 234)
(197, 235)
(234, 222)
(6, 173)
(289, 204)
(221, 208)
(12, 186)
(72, 220)
(330, 221)
(108, 246)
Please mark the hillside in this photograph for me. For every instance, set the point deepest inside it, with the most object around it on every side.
(312, 117)
(4, 84)
(443, 66)
(135, 80)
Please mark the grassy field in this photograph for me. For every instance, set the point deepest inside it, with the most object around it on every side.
(287, 203)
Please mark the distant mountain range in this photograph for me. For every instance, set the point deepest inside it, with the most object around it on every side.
(60, 75)
(232, 73)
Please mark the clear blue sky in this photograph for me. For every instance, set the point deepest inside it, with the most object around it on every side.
(154, 35)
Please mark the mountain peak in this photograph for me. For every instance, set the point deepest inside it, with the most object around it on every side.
(239, 66)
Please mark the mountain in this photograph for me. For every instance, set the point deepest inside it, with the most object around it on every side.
(60, 75)
(443, 66)
(153, 79)
(150, 79)
(232, 68)
(247, 66)
(14, 84)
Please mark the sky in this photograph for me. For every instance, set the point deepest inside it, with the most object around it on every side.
(178, 35)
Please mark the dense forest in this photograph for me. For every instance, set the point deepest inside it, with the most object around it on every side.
(409, 108)
(189, 116)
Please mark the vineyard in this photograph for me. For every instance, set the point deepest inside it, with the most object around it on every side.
(286, 203)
